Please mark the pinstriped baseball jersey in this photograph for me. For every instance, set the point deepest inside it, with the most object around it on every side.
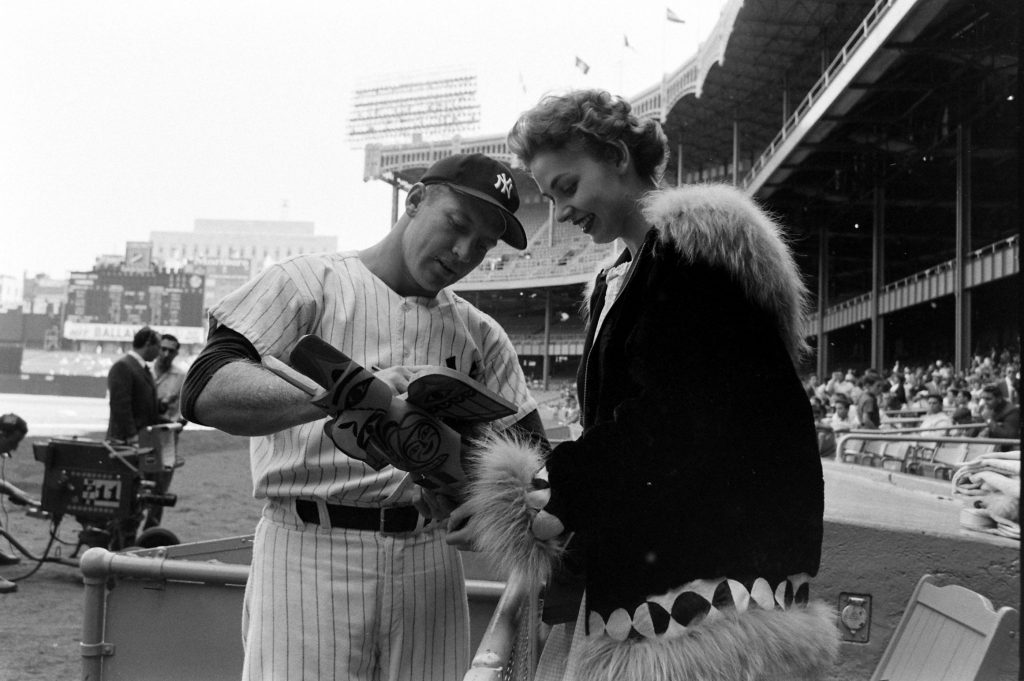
(336, 297)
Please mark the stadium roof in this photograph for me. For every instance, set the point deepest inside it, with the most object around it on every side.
(827, 105)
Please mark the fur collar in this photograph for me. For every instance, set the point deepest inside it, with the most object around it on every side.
(719, 225)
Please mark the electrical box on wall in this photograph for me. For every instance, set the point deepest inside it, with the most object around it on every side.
(855, 617)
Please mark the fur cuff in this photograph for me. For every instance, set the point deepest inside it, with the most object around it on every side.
(501, 473)
(797, 644)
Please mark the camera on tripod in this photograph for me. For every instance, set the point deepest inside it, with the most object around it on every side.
(110, 489)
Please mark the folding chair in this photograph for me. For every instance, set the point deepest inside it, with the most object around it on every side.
(948, 633)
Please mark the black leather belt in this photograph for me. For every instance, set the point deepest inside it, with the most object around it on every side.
(394, 520)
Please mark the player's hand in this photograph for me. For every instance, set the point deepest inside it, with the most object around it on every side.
(398, 378)
(431, 505)
(460, 533)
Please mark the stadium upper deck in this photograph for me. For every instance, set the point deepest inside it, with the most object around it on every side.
(883, 134)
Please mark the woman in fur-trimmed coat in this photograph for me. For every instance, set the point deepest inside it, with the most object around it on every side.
(694, 496)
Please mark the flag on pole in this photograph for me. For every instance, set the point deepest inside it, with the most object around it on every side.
(582, 65)
(673, 17)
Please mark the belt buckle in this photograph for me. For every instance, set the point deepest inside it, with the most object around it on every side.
(383, 529)
(420, 524)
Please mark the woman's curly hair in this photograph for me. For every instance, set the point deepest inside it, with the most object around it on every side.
(596, 120)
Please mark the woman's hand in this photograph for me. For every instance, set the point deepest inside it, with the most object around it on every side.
(545, 526)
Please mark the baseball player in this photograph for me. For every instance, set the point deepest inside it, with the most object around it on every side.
(351, 577)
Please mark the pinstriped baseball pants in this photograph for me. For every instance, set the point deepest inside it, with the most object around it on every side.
(327, 603)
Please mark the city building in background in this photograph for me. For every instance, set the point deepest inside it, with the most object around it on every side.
(414, 107)
(229, 252)
(11, 292)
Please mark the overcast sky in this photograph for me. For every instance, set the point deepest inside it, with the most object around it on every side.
(121, 118)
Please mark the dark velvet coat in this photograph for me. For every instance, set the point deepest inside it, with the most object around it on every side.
(133, 401)
(698, 457)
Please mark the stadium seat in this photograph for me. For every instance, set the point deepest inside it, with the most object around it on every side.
(919, 455)
(947, 456)
(871, 454)
(977, 449)
(896, 456)
(852, 446)
(948, 633)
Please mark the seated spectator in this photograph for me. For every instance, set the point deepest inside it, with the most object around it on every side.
(962, 416)
(811, 385)
(842, 419)
(818, 409)
(935, 417)
(838, 384)
(962, 400)
(1002, 419)
(1009, 383)
(569, 412)
(898, 390)
(868, 407)
(920, 401)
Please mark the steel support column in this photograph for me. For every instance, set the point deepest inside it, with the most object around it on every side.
(823, 275)
(877, 277)
(551, 222)
(962, 300)
(394, 204)
(785, 99)
(735, 152)
(547, 337)
(679, 164)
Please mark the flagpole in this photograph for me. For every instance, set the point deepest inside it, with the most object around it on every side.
(622, 58)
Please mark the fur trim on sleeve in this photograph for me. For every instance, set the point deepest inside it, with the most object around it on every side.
(719, 225)
(501, 473)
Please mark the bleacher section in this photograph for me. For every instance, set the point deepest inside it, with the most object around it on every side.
(560, 254)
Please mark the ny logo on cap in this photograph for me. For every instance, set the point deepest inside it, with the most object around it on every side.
(504, 185)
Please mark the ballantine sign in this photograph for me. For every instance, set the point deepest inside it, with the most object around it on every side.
(123, 333)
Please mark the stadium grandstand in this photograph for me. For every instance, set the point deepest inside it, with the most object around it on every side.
(883, 134)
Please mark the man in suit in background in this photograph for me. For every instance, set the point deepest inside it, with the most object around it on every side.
(133, 400)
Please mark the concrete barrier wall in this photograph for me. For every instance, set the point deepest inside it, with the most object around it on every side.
(887, 564)
(883, 563)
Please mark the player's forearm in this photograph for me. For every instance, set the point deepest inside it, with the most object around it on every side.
(243, 398)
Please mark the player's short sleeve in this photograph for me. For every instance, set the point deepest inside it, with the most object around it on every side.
(274, 309)
(503, 374)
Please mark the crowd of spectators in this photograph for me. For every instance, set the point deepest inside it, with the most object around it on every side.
(934, 396)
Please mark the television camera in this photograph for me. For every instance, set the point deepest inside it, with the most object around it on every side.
(110, 490)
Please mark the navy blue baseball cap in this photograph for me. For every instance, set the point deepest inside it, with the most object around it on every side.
(484, 178)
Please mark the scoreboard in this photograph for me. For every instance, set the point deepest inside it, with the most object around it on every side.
(104, 299)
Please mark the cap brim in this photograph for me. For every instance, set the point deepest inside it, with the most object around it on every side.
(514, 234)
